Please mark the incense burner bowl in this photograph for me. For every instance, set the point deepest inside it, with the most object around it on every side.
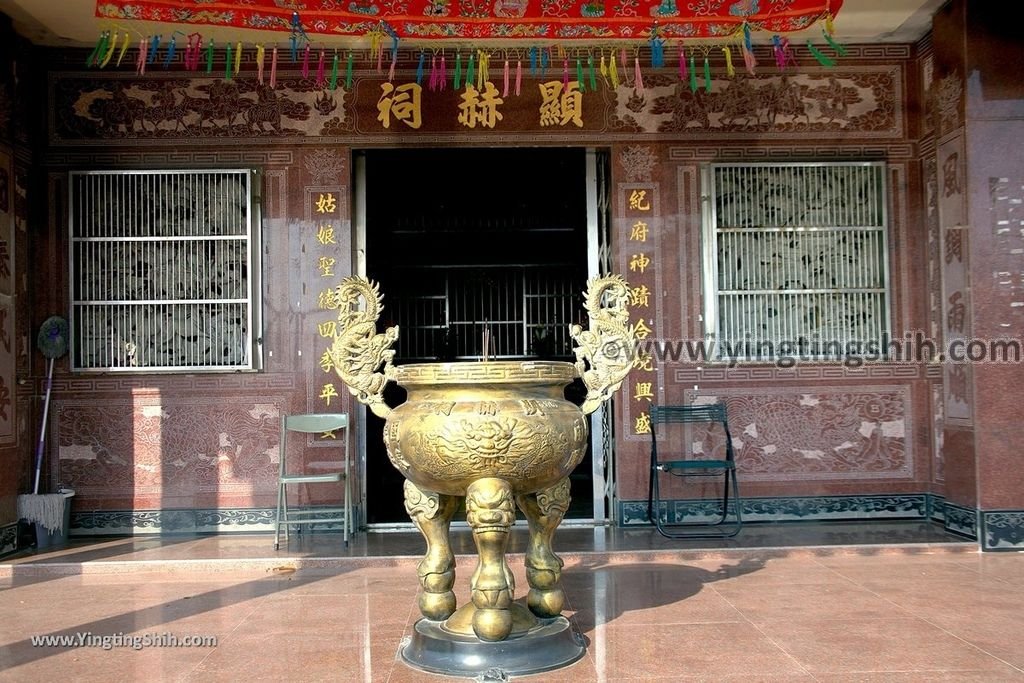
(500, 435)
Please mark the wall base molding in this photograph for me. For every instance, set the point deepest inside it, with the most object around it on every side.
(198, 521)
(8, 539)
(995, 530)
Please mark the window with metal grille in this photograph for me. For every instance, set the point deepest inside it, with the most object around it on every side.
(164, 270)
(796, 260)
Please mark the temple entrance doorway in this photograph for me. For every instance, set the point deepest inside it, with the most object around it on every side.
(479, 251)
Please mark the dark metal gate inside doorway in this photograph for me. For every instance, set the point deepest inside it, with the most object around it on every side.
(481, 253)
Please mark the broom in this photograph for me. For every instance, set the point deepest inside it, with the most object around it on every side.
(53, 342)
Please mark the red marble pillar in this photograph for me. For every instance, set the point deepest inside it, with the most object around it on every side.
(980, 110)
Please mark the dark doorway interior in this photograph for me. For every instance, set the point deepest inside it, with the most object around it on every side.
(464, 240)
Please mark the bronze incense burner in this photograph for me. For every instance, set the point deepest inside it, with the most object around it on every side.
(502, 435)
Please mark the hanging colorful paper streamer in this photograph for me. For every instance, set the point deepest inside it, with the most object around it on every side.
(787, 52)
(780, 56)
(657, 47)
(638, 81)
(693, 75)
(545, 60)
(261, 54)
(484, 70)
(171, 49)
(154, 46)
(533, 62)
(100, 42)
(748, 51)
(729, 70)
(613, 71)
(579, 76)
(593, 76)
(209, 57)
(321, 65)
(109, 54)
(457, 77)
(707, 75)
(348, 71)
(519, 76)
(334, 72)
(470, 70)
(238, 57)
(622, 63)
(504, 79)
(442, 78)
(140, 63)
(305, 62)
(273, 68)
(432, 82)
(296, 31)
(391, 70)
(822, 58)
(124, 48)
(189, 50)
(839, 49)
(227, 62)
(419, 67)
(682, 64)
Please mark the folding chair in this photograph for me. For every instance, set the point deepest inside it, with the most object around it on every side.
(688, 464)
(313, 424)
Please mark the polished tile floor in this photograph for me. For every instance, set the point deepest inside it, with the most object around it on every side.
(789, 602)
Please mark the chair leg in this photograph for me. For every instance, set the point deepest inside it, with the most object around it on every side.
(653, 494)
(348, 513)
(284, 510)
(277, 517)
(677, 531)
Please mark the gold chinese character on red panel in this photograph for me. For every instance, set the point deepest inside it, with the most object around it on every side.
(402, 102)
(325, 234)
(638, 263)
(328, 392)
(642, 424)
(643, 391)
(326, 203)
(638, 201)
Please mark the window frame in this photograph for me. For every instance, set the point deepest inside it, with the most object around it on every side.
(710, 260)
(252, 238)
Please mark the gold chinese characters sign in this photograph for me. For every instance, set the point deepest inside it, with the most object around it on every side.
(500, 434)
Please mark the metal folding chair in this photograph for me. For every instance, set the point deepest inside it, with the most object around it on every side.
(313, 424)
(686, 463)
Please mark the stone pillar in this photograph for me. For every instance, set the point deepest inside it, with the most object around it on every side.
(978, 102)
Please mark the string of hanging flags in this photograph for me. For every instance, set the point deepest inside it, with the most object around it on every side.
(586, 34)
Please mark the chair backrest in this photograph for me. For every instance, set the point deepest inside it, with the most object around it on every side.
(315, 422)
(709, 413)
(311, 423)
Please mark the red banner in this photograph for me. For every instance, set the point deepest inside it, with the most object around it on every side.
(490, 20)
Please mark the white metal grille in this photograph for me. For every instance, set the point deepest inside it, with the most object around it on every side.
(526, 309)
(163, 270)
(798, 259)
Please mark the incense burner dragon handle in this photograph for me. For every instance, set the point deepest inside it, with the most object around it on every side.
(362, 356)
(604, 351)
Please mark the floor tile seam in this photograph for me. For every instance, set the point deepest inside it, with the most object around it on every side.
(774, 642)
(970, 644)
(610, 558)
(896, 605)
(630, 625)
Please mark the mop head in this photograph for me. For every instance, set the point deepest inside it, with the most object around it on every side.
(43, 508)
